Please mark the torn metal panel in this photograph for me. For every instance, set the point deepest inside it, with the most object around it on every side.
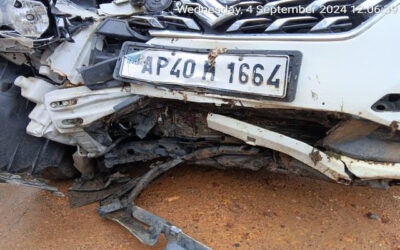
(147, 151)
(15, 44)
(153, 173)
(165, 119)
(124, 9)
(288, 165)
(253, 162)
(173, 234)
(16, 58)
(113, 206)
(99, 188)
(68, 57)
(98, 131)
(253, 135)
(199, 154)
(133, 219)
(125, 189)
(364, 140)
(28, 181)
(143, 151)
(74, 10)
(45, 70)
(78, 199)
(368, 170)
(144, 124)
(132, 104)
(184, 122)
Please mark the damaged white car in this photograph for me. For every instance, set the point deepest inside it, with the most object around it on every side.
(91, 89)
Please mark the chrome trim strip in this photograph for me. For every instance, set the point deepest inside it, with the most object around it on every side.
(281, 37)
(239, 24)
(152, 21)
(327, 22)
(279, 23)
(190, 23)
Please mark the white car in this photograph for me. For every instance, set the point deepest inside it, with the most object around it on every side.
(90, 88)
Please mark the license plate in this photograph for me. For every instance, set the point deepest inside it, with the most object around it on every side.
(260, 75)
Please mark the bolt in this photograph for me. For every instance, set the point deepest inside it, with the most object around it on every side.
(175, 230)
(30, 17)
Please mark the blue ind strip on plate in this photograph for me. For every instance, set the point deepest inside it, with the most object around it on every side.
(134, 58)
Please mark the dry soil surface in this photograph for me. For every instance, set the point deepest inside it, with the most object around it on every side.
(223, 209)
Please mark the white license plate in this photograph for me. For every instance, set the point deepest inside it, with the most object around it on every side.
(264, 75)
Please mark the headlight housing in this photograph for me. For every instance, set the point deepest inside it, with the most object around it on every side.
(28, 18)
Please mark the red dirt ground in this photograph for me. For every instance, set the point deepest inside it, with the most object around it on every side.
(224, 209)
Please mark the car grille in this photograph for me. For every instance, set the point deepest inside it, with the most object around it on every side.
(261, 17)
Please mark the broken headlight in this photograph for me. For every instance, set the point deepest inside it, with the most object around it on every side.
(28, 18)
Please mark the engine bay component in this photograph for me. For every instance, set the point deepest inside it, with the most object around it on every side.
(28, 18)
(364, 140)
(334, 169)
(337, 167)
